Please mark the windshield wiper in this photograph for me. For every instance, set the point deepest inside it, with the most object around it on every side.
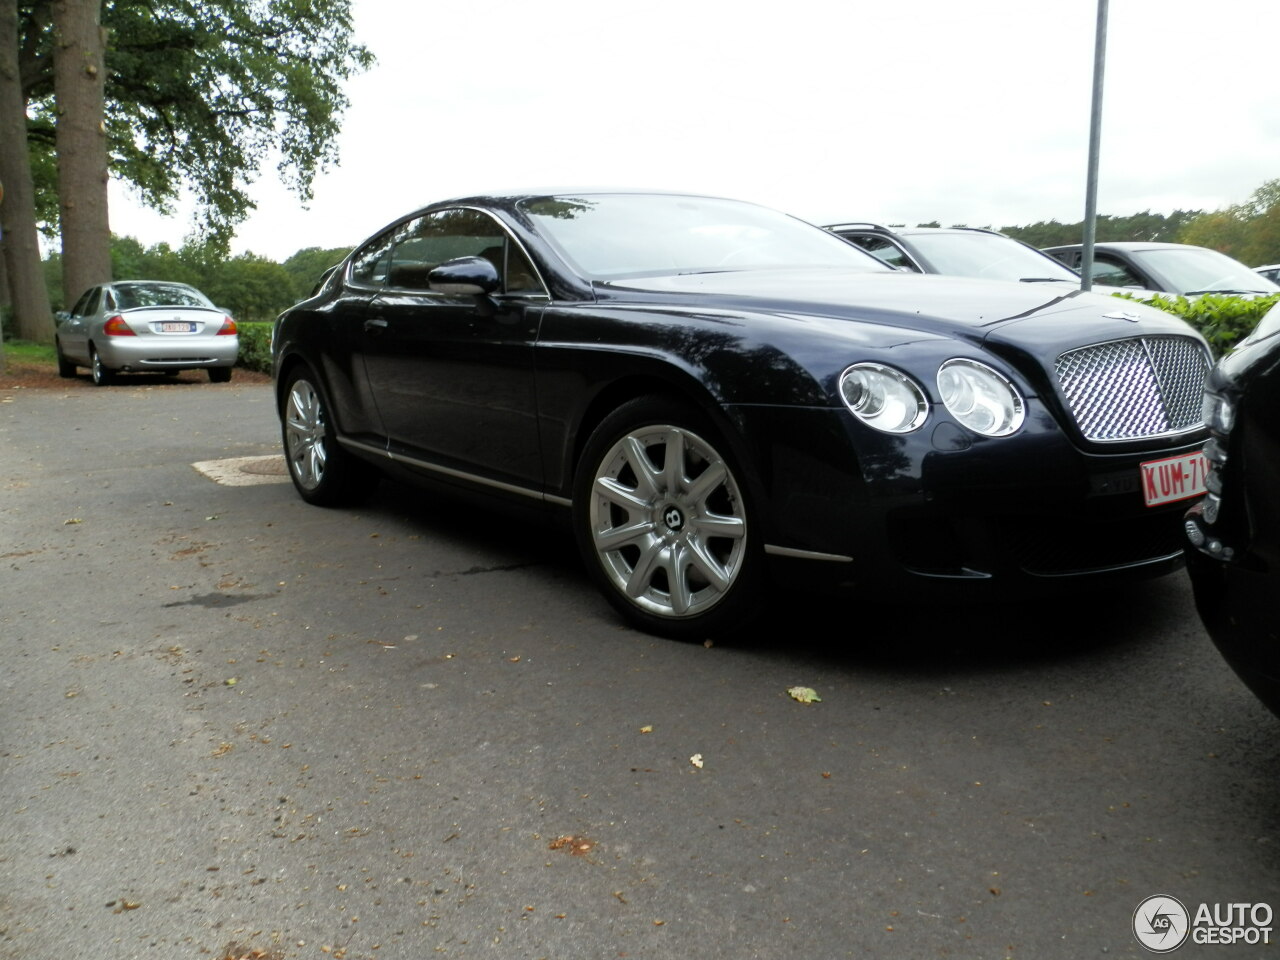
(1193, 293)
(1043, 280)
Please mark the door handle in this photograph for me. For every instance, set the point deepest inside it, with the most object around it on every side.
(375, 325)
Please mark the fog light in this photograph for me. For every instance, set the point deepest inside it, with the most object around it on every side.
(1194, 533)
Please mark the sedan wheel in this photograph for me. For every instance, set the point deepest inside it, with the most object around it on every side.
(663, 522)
(66, 367)
(101, 374)
(322, 471)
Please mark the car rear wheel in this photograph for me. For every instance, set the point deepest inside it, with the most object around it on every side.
(219, 374)
(662, 520)
(102, 375)
(322, 472)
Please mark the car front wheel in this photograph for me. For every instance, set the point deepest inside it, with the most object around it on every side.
(322, 472)
(66, 367)
(663, 523)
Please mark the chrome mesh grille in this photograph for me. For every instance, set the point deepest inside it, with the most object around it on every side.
(1136, 388)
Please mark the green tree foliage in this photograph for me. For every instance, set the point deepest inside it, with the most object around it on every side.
(1139, 226)
(1249, 231)
(204, 93)
(307, 266)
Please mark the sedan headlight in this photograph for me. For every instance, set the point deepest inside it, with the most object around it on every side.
(883, 397)
(981, 399)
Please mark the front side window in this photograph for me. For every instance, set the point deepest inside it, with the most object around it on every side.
(884, 249)
(1111, 272)
(404, 256)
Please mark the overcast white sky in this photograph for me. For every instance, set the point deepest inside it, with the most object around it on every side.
(963, 111)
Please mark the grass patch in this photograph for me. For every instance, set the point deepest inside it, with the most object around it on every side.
(24, 351)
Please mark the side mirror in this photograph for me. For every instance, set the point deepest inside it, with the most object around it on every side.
(61, 316)
(465, 275)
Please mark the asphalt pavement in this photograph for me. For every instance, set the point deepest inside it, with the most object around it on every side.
(234, 725)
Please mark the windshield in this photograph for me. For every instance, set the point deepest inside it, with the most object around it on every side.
(134, 295)
(611, 236)
(989, 256)
(1197, 270)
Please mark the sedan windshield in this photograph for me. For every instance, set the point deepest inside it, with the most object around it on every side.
(1197, 270)
(611, 236)
(988, 256)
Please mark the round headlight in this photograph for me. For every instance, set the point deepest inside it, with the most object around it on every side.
(883, 398)
(981, 399)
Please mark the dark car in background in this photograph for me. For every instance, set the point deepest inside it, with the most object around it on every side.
(1233, 554)
(1177, 268)
(706, 388)
(146, 326)
(957, 251)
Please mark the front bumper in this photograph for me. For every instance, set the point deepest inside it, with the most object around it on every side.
(943, 506)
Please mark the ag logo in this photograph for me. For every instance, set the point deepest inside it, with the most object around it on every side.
(1161, 924)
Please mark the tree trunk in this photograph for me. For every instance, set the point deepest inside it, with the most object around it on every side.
(78, 78)
(20, 244)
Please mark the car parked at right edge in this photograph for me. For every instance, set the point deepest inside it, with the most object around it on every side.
(1176, 268)
(1233, 553)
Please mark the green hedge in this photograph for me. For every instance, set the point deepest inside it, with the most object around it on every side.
(255, 346)
(1223, 321)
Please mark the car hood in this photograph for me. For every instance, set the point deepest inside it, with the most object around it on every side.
(971, 309)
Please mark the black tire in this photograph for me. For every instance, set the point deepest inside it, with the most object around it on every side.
(66, 369)
(102, 375)
(323, 472)
(219, 374)
(671, 543)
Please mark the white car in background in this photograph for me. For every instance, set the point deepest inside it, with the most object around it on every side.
(146, 326)
(1178, 268)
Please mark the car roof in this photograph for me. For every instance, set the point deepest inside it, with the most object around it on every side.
(1127, 245)
(908, 231)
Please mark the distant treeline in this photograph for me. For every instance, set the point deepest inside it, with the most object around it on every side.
(255, 288)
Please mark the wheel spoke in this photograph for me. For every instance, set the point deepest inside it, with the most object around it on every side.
(716, 575)
(678, 579)
(642, 573)
(715, 525)
(647, 479)
(625, 497)
(618, 537)
(673, 462)
(706, 483)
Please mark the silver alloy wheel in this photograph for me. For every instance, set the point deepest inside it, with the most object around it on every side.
(101, 375)
(668, 521)
(305, 434)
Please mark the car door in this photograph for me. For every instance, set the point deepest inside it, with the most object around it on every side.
(74, 331)
(452, 374)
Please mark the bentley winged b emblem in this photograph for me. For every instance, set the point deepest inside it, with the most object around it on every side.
(1122, 315)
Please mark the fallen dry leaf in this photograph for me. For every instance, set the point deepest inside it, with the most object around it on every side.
(804, 694)
(696, 760)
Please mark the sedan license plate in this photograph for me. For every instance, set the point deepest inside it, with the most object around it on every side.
(1173, 478)
(175, 326)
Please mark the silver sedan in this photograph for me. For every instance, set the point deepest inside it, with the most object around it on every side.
(146, 325)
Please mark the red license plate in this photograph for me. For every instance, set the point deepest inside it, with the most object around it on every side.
(1173, 478)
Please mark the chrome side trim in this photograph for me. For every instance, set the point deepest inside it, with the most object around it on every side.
(777, 551)
(459, 474)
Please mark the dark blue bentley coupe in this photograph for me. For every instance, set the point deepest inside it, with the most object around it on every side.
(720, 397)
